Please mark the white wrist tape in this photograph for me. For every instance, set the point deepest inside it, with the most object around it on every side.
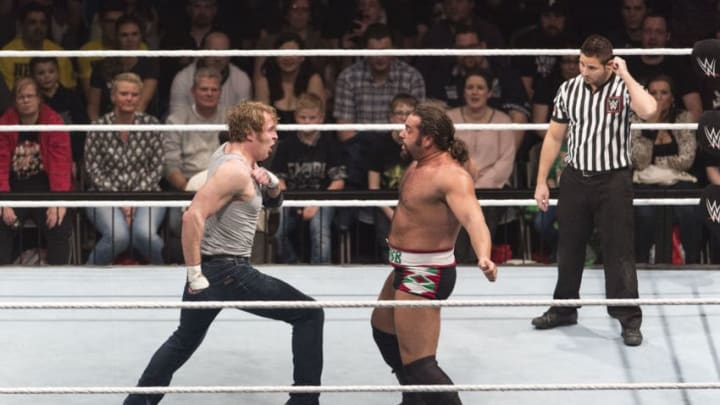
(196, 279)
(274, 182)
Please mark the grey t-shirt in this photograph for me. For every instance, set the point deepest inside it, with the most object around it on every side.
(231, 230)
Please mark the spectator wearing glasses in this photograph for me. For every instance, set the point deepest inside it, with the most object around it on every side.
(34, 162)
(386, 167)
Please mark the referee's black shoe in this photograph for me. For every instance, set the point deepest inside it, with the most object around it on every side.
(631, 336)
(551, 319)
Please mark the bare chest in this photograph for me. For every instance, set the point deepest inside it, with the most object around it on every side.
(419, 191)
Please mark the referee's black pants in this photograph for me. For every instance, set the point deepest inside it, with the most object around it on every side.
(603, 200)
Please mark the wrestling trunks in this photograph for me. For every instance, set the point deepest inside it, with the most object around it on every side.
(425, 274)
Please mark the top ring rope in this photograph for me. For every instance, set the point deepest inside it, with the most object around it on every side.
(306, 127)
(333, 52)
(308, 203)
(357, 304)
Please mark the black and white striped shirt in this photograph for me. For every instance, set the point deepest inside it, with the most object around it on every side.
(598, 123)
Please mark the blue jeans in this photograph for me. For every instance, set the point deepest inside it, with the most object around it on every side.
(117, 236)
(232, 278)
(687, 217)
(320, 235)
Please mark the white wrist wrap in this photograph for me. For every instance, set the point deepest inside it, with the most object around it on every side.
(196, 279)
(274, 182)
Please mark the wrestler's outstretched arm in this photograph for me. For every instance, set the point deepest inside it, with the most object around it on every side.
(460, 196)
(230, 180)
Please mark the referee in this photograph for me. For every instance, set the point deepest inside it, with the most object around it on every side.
(596, 186)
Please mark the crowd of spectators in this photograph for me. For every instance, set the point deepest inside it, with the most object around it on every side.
(376, 89)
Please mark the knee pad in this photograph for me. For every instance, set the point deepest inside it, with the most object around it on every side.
(426, 371)
(389, 349)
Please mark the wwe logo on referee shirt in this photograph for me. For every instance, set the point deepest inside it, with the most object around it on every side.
(708, 66)
(713, 137)
(713, 209)
(614, 105)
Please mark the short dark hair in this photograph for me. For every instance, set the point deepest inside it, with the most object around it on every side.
(405, 98)
(377, 31)
(33, 7)
(467, 29)
(286, 6)
(484, 73)
(42, 59)
(130, 19)
(597, 46)
(662, 77)
(109, 6)
(655, 14)
(288, 36)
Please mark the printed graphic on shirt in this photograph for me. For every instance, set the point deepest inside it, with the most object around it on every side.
(26, 160)
(307, 175)
(614, 105)
(392, 175)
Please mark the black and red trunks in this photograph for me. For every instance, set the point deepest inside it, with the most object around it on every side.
(425, 274)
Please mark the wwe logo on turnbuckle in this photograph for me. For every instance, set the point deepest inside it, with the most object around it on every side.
(708, 66)
(713, 208)
(713, 137)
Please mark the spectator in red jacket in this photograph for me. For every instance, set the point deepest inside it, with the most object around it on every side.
(34, 162)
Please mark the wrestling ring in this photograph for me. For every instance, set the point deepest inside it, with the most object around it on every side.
(81, 335)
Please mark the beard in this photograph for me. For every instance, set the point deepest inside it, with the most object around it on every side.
(405, 153)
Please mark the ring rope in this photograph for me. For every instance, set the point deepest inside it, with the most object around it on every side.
(346, 304)
(337, 304)
(311, 203)
(329, 52)
(307, 127)
(362, 388)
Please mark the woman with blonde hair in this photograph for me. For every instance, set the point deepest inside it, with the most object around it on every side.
(124, 161)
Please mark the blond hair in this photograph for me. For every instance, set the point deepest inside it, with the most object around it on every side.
(21, 83)
(206, 73)
(127, 77)
(310, 101)
(248, 116)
